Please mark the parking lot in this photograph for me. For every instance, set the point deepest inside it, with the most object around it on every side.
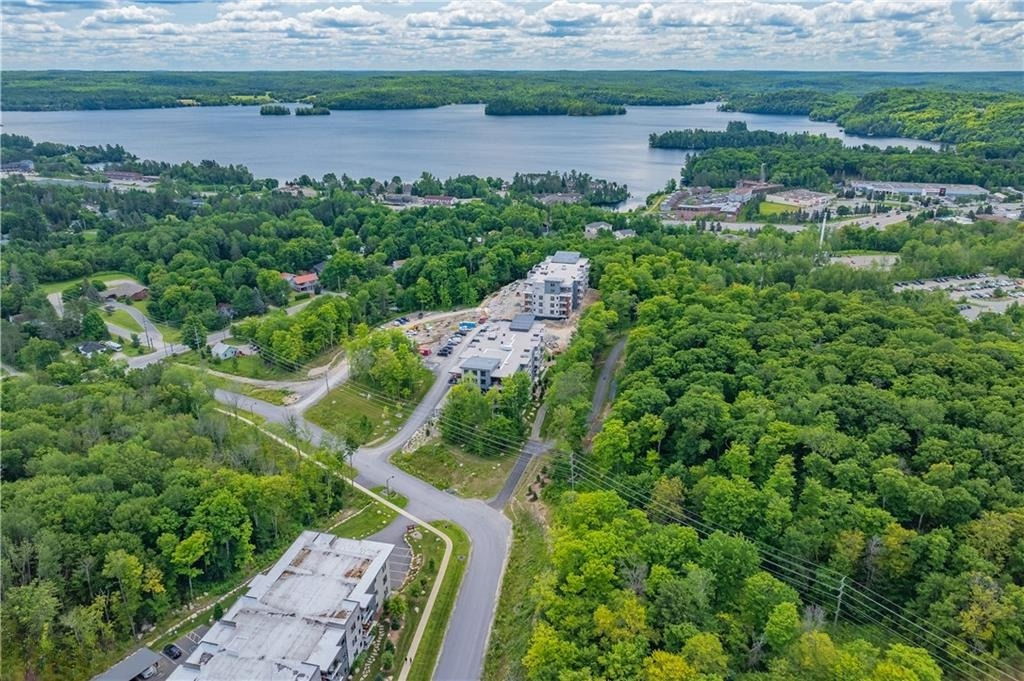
(975, 293)
(187, 643)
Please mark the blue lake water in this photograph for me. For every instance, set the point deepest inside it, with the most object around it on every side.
(448, 141)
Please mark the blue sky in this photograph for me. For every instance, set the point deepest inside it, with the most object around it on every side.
(912, 35)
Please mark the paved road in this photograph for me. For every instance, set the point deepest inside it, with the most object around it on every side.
(605, 386)
(488, 529)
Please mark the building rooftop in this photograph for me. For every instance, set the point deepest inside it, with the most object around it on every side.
(802, 194)
(522, 322)
(292, 620)
(500, 349)
(933, 187)
(564, 266)
(130, 667)
(565, 257)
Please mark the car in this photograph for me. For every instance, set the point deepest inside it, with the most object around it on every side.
(149, 672)
(111, 345)
(172, 651)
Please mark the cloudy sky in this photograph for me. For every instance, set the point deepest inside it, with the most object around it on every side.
(926, 35)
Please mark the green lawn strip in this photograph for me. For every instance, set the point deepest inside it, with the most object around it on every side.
(250, 366)
(170, 333)
(121, 318)
(433, 636)
(769, 208)
(372, 519)
(513, 621)
(448, 467)
(109, 275)
(341, 405)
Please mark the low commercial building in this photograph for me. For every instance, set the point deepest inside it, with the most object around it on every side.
(306, 619)
(745, 190)
(501, 349)
(919, 188)
(554, 288)
(803, 199)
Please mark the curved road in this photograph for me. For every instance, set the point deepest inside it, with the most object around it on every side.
(489, 530)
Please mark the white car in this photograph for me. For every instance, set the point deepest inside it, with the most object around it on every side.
(111, 345)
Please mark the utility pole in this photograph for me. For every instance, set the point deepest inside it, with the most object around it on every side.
(839, 600)
(572, 469)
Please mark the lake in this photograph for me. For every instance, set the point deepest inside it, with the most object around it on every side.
(451, 140)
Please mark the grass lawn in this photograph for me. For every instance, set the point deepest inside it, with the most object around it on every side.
(383, 420)
(433, 636)
(769, 208)
(447, 467)
(250, 366)
(513, 621)
(170, 333)
(373, 517)
(122, 319)
(55, 286)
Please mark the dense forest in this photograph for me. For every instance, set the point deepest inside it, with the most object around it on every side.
(793, 414)
(819, 166)
(736, 135)
(550, 105)
(595, 191)
(831, 422)
(124, 496)
(985, 124)
(632, 595)
(560, 91)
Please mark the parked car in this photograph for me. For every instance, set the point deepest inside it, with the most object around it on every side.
(172, 651)
(111, 345)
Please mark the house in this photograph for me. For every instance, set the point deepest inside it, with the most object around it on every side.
(137, 665)
(298, 191)
(90, 349)
(319, 267)
(433, 200)
(621, 234)
(306, 619)
(223, 351)
(804, 199)
(397, 264)
(593, 229)
(554, 288)
(560, 197)
(501, 350)
(302, 283)
(127, 289)
(26, 166)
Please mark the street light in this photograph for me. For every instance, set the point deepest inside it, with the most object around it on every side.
(387, 485)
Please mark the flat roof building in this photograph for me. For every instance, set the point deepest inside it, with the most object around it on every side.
(919, 188)
(554, 288)
(500, 349)
(131, 667)
(800, 198)
(306, 619)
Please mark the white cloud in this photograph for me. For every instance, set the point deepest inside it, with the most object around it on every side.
(129, 14)
(997, 11)
(354, 16)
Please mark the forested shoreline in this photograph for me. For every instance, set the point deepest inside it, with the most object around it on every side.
(553, 92)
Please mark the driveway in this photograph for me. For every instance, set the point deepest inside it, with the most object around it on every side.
(488, 529)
